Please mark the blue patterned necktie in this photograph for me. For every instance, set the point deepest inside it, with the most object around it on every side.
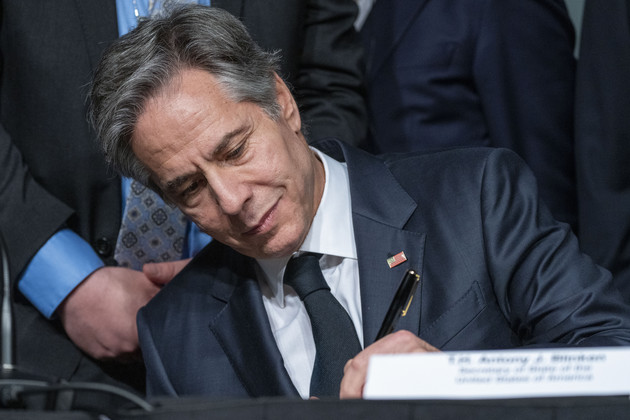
(335, 337)
(151, 231)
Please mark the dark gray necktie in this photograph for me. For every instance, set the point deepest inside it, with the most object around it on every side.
(151, 231)
(336, 339)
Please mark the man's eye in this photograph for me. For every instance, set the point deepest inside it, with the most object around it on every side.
(235, 153)
(192, 188)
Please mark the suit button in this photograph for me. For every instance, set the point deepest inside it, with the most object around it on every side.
(103, 247)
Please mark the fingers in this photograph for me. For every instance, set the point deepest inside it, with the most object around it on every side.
(99, 315)
(355, 371)
(354, 374)
(162, 273)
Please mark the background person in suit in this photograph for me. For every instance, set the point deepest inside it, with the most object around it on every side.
(218, 133)
(602, 135)
(52, 177)
(444, 73)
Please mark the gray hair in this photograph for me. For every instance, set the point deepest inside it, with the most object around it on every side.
(137, 65)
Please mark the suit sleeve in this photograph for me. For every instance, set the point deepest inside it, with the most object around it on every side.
(548, 290)
(524, 71)
(29, 215)
(329, 85)
(51, 173)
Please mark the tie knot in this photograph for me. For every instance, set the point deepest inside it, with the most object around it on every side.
(304, 274)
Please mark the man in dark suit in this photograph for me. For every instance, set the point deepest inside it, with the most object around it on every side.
(53, 177)
(445, 73)
(221, 138)
(602, 137)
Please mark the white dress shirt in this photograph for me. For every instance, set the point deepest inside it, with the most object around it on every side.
(331, 234)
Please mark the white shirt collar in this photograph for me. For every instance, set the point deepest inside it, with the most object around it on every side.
(331, 232)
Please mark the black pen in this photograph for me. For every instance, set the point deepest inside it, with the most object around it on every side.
(400, 303)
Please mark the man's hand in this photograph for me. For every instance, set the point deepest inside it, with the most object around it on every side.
(162, 273)
(355, 370)
(99, 315)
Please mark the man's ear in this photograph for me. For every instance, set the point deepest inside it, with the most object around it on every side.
(288, 107)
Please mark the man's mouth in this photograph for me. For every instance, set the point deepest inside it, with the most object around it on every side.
(265, 222)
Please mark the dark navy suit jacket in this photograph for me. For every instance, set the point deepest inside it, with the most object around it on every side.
(497, 271)
(443, 73)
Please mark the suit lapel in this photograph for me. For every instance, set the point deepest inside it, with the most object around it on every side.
(243, 331)
(375, 243)
(379, 217)
(385, 27)
(100, 27)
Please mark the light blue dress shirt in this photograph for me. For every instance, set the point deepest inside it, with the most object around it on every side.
(66, 259)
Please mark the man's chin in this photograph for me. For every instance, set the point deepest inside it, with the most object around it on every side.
(268, 250)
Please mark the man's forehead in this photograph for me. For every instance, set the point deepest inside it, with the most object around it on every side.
(191, 98)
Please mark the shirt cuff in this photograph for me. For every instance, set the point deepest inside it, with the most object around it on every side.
(59, 266)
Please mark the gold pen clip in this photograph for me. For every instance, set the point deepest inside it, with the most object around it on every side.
(413, 291)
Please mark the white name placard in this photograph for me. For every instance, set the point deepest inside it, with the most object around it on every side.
(500, 374)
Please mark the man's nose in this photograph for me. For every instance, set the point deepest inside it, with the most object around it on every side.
(229, 193)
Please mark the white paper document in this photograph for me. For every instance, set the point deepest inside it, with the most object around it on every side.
(500, 374)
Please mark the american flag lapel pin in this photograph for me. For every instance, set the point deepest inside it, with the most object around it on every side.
(396, 259)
